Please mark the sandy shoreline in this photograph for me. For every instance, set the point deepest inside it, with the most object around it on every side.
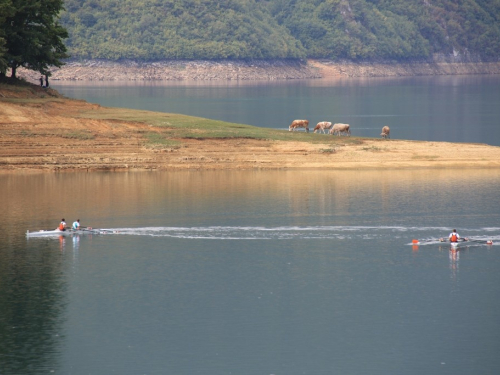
(51, 133)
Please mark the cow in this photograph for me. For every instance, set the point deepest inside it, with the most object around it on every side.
(321, 126)
(340, 129)
(299, 124)
(386, 132)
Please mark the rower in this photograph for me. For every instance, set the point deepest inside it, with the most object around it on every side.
(76, 225)
(62, 225)
(454, 237)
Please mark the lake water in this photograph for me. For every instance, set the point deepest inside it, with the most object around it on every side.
(450, 108)
(263, 272)
(252, 272)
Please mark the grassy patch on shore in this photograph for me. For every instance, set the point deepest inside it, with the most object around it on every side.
(158, 141)
(177, 126)
(20, 91)
(170, 128)
(80, 135)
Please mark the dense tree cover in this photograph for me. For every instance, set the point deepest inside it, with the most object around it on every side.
(392, 29)
(6, 9)
(176, 29)
(33, 37)
(270, 29)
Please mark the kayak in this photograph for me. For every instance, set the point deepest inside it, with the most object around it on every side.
(67, 232)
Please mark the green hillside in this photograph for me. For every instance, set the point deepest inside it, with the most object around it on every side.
(282, 29)
(392, 29)
(176, 29)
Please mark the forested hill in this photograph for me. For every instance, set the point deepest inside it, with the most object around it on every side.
(282, 29)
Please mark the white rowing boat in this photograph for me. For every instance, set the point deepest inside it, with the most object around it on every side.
(67, 232)
(468, 242)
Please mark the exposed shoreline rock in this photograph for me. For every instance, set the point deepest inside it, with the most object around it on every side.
(100, 70)
(331, 69)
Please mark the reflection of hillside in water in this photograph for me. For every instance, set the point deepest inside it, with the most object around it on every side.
(39, 201)
(32, 306)
(33, 289)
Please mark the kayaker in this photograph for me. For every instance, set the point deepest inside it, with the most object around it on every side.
(76, 225)
(62, 225)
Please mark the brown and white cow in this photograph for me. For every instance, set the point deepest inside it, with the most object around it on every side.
(386, 132)
(340, 129)
(299, 124)
(321, 126)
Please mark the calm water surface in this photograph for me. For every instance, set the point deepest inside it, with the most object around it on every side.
(452, 108)
(250, 273)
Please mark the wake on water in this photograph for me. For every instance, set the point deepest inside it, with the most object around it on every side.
(306, 232)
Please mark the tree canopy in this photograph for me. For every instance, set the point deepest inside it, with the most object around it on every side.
(6, 10)
(33, 37)
(176, 29)
(149, 30)
(270, 29)
(392, 29)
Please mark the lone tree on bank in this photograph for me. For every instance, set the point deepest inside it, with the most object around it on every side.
(33, 37)
(6, 10)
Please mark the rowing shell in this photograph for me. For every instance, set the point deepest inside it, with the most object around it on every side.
(67, 232)
(460, 243)
(469, 242)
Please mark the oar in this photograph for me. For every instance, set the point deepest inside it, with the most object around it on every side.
(420, 242)
(108, 231)
(98, 231)
(459, 240)
(486, 242)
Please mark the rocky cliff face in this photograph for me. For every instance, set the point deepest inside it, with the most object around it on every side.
(96, 70)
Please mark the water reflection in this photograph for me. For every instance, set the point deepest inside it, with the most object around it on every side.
(106, 198)
(454, 258)
(347, 290)
(32, 305)
(62, 243)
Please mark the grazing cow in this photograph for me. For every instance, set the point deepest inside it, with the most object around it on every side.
(321, 126)
(340, 129)
(299, 124)
(386, 132)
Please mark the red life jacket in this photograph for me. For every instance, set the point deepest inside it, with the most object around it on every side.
(454, 238)
(61, 226)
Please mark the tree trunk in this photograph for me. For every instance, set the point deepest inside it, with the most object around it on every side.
(13, 70)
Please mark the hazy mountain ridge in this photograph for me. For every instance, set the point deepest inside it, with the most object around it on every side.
(357, 30)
